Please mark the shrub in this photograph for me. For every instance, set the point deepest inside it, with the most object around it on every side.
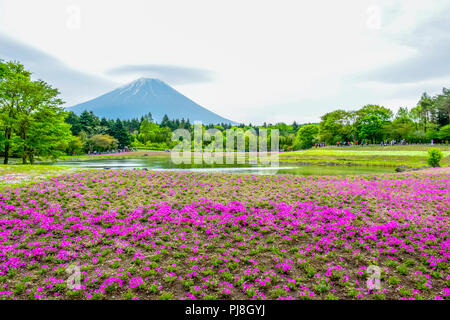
(402, 269)
(331, 297)
(393, 280)
(434, 157)
(166, 296)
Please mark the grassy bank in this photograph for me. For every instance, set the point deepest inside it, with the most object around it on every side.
(390, 148)
(17, 175)
(369, 156)
(118, 156)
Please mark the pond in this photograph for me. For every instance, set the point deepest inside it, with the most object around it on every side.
(165, 163)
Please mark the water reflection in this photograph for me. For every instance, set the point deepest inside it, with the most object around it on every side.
(164, 163)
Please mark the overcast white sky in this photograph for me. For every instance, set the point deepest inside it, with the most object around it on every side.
(249, 61)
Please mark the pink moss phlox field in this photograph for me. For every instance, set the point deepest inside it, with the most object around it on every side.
(138, 234)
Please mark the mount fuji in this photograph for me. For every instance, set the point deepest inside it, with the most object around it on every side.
(146, 95)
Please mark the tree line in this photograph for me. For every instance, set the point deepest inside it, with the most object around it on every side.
(94, 134)
(427, 121)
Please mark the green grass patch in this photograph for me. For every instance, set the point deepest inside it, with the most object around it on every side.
(17, 175)
(413, 156)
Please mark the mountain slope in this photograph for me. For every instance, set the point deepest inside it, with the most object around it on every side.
(146, 95)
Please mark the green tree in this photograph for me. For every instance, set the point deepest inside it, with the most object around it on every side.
(336, 126)
(444, 133)
(49, 134)
(103, 142)
(306, 136)
(371, 121)
(424, 111)
(442, 105)
(119, 132)
(165, 121)
(370, 128)
(27, 107)
(147, 131)
(402, 126)
(104, 126)
(14, 87)
(89, 122)
(42, 104)
(74, 121)
(75, 145)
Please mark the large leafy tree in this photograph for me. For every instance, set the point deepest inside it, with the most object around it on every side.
(370, 128)
(371, 121)
(14, 85)
(41, 108)
(336, 126)
(104, 141)
(306, 136)
(75, 146)
(32, 118)
(444, 133)
(49, 135)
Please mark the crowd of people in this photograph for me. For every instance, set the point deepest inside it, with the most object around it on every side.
(394, 142)
(357, 143)
(126, 149)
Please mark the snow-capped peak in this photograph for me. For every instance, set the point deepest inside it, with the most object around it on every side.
(137, 85)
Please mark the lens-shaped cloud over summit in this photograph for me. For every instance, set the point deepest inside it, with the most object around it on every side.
(176, 75)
